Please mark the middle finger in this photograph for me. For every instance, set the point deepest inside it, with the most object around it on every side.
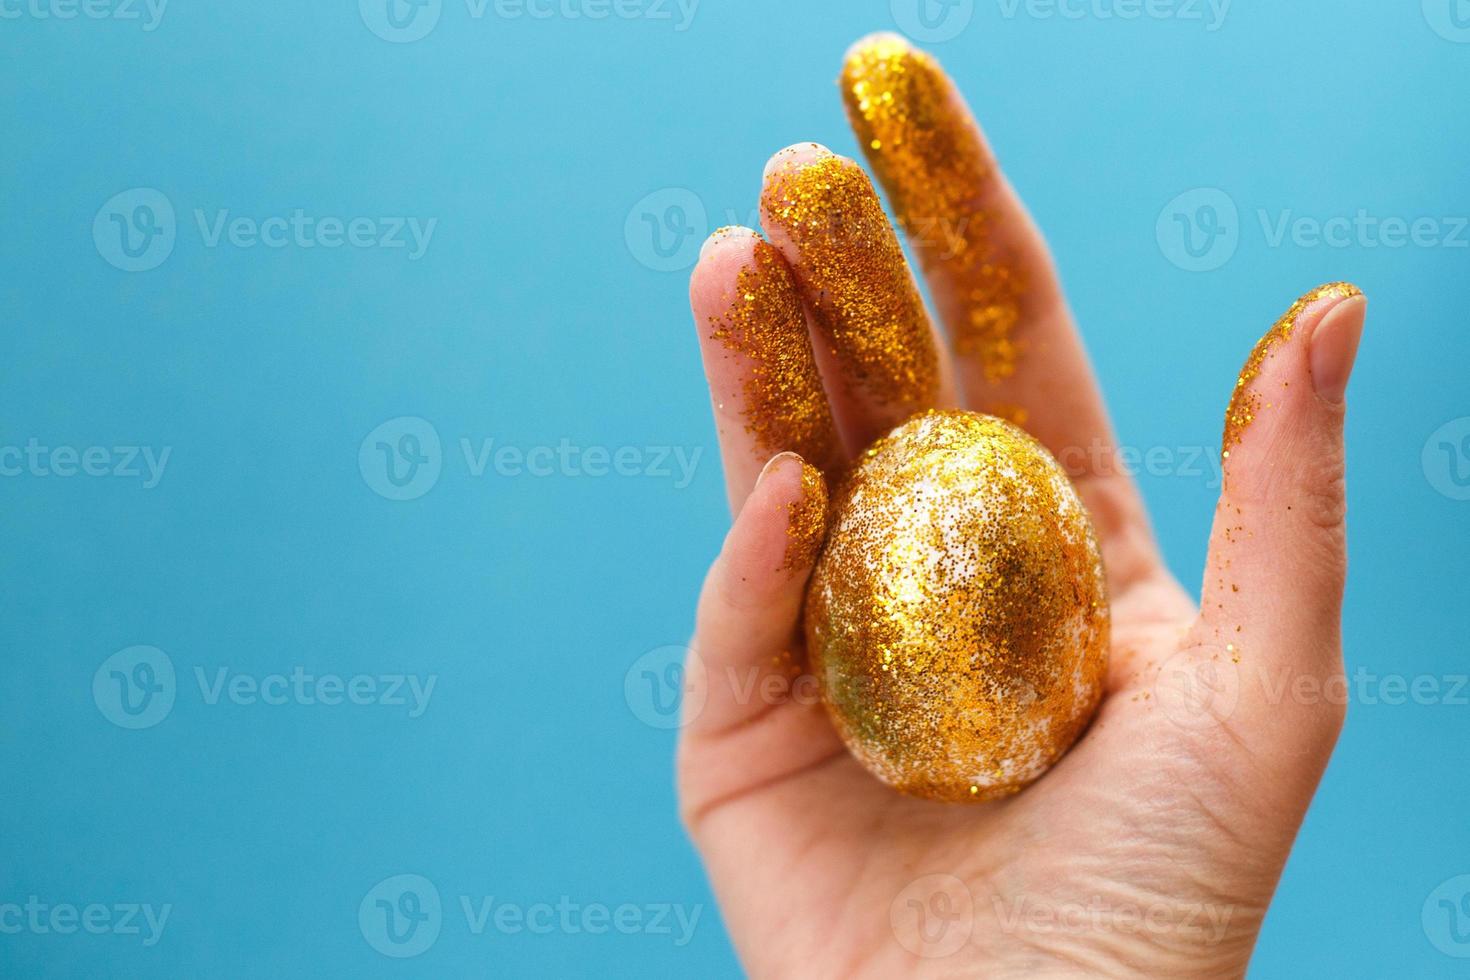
(876, 345)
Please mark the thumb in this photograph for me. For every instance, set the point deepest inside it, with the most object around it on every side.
(1268, 638)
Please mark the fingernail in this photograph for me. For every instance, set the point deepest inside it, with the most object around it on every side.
(796, 153)
(1334, 348)
(720, 234)
(878, 41)
(773, 464)
(806, 522)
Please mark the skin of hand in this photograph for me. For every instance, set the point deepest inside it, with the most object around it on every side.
(1154, 846)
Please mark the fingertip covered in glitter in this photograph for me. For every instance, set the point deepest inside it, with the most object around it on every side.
(864, 299)
(929, 156)
(784, 405)
(1246, 402)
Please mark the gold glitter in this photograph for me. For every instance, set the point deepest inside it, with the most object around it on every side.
(1245, 402)
(1014, 414)
(806, 523)
(958, 621)
(864, 298)
(784, 404)
(927, 153)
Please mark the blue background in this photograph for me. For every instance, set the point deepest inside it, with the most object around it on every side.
(535, 316)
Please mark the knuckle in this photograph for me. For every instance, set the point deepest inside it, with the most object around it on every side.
(1325, 499)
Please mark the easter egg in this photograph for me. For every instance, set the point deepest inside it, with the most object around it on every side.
(957, 620)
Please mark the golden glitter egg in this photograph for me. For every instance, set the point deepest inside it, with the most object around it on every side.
(957, 621)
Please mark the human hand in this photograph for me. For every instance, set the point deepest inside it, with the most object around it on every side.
(1154, 846)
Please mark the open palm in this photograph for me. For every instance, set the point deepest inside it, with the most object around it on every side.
(1155, 845)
